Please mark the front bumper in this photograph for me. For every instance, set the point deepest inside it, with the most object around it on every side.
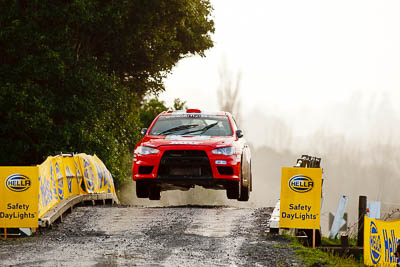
(188, 182)
(198, 165)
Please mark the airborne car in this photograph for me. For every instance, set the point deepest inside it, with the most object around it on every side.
(182, 149)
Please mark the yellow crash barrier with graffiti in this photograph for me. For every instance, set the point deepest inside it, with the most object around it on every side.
(27, 193)
(380, 242)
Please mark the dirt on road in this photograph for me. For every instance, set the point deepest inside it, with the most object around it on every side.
(156, 236)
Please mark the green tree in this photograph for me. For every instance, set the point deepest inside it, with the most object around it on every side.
(73, 73)
(152, 107)
(179, 104)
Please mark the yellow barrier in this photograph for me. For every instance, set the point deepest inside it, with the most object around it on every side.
(380, 242)
(33, 191)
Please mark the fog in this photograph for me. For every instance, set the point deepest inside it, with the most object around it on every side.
(317, 78)
(358, 141)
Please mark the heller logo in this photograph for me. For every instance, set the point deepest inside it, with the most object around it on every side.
(18, 182)
(375, 243)
(301, 184)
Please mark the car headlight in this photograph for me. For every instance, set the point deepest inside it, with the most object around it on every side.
(227, 151)
(145, 150)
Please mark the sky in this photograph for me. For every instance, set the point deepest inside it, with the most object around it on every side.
(301, 59)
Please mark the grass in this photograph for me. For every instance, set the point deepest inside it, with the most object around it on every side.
(316, 257)
(336, 242)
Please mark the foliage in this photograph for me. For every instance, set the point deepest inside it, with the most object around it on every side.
(316, 257)
(152, 107)
(179, 104)
(336, 242)
(73, 73)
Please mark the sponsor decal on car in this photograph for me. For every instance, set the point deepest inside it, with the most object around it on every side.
(185, 138)
(184, 143)
(192, 115)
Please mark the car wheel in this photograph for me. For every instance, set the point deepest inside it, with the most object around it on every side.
(244, 193)
(154, 193)
(232, 191)
(244, 189)
(142, 190)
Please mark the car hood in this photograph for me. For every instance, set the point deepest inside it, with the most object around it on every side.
(217, 141)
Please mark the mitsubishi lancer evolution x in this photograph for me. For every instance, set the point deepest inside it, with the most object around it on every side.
(184, 149)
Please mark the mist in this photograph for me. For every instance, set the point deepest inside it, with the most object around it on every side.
(310, 84)
(358, 141)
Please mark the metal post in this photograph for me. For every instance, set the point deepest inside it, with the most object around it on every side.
(344, 241)
(362, 210)
(5, 233)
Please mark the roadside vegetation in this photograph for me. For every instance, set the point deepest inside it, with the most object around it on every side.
(336, 242)
(76, 76)
(316, 257)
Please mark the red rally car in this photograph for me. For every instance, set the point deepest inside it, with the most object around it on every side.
(182, 149)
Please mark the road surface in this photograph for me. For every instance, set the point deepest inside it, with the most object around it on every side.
(156, 236)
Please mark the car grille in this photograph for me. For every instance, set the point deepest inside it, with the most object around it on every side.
(184, 163)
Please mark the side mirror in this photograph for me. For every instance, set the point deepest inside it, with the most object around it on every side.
(239, 133)
(143, 131)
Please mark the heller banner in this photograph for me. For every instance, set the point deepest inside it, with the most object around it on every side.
(18, 197)
(65, 176)
(380, 242)
(28, 193)
(300, 202)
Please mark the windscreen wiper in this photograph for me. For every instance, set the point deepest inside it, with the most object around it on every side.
(202, 130)
(178, 128)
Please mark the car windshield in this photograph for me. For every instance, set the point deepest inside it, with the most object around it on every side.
(192, 124)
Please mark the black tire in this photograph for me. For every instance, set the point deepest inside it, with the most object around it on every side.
(232, 191)
(154, 193)
(244, 190)
(142, 190)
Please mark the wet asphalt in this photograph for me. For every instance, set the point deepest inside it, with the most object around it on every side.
(156, 236)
